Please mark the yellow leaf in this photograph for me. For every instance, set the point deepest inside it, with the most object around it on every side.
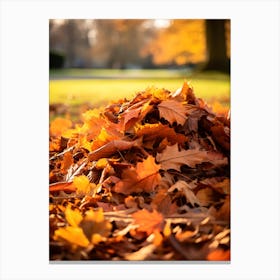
(73, 217)
(73, 235)
(161, 94)
(96, 238)
(96, 216)
(95, 227)
(167, 229)
(84, 143)
(82, 184)
(101, 163)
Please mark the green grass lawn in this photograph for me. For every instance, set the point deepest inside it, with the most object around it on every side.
(98, 92)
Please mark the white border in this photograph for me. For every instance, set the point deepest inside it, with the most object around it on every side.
(24, 138)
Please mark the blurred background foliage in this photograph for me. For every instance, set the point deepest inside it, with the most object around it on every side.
(95, 61)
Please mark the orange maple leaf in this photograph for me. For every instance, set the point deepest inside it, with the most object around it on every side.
(142, 178)
(93, 123)
(173, 111)
(59, 126)
(148, 222)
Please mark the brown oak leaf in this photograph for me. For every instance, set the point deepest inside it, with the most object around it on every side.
(185, 188)
(172, 158)
(173, 111)
(145, 177)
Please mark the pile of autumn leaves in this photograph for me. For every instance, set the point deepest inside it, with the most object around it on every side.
(146, 179)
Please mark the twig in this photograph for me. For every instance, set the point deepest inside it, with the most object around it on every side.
(83, 164)
(63, 152)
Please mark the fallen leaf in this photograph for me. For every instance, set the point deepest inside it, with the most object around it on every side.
(220, 136)
(103, 138)
(181, 93)
(93, 124)
(67, 161)
(110, 148)
(73, 217)
(83, 185)
(95, 226)
(186, 190)
(135, 113)
(162, 203)
(154, 131)
(224, 212)
(59, 126)
(205, 196)
(148, 221)
(219, 255)
(74, 235)
(172, 158)
(144, 178)
(172, 111)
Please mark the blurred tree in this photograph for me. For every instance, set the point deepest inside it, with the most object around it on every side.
(187, 42)
(102, 42)
(71, 38)
(126, 43)
(181, 43)
(218, 55)
(119, 42)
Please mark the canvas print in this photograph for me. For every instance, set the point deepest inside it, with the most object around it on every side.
(139, 140)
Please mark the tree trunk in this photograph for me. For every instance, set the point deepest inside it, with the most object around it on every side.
(216, 46)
